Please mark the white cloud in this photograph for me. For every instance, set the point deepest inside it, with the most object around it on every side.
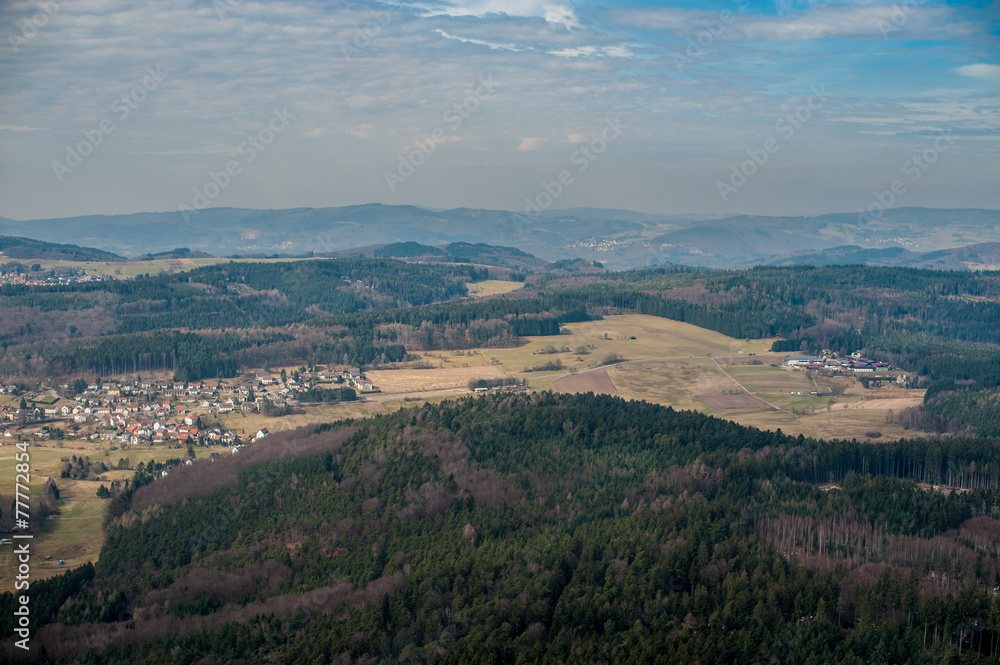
(981, 71)
(530, 143)
(561, 14)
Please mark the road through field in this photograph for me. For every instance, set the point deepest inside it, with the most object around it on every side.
(747, 390)
(604, 368)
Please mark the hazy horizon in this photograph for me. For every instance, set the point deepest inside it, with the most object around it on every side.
(549, 211)
(730, 107)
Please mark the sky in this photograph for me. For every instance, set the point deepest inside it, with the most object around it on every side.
(715, 108)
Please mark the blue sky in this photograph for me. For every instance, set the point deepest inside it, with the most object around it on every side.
(487, 103)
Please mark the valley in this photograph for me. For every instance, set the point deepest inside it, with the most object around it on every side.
(122, 390)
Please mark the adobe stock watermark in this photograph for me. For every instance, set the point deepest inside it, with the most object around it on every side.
(22, 615)
(223, 7)
(900, 16)
(582, 157)
(121, 108)
(785, 127)
(248, 149)
(915, 167)
(29, 27)
(365, 34)
(456, 114)
(714, 29)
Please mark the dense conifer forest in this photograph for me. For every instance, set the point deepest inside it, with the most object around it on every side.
(544, 528)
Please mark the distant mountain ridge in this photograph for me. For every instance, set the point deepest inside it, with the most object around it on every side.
(981, 256)
(619, 239)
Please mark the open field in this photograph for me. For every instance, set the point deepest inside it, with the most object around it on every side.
(673, 383)
(251, 422)
(896, 404)
(492, 287)
(838, 423)
(770, 380)
(410, 380)
(446, 360)
(741, 401)
(654, 338)
(674, 364)
(75, 534)
(123, 269)
(596, 381)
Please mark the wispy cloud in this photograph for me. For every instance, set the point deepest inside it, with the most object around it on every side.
(819, 21)
(552, 12)
(593, 51)
(20, 128)
(480, 42)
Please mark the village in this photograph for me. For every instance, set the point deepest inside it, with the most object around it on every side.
(145, 412)
(18, 274)
(855, 363)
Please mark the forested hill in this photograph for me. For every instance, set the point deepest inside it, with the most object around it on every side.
(542, 529)
(460, 252)
(25, 248)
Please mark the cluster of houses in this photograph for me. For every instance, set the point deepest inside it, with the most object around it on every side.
(62, 276)
(150, 412)
(855, 363)
(352, 376)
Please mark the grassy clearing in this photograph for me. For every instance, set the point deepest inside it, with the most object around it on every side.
(447, 360)
(410, 380)
(75, 534)
(492, 287)
(654, 338)
(767, 380)
(252, 422)
(838, 423)
(125, 269)
(674, 383)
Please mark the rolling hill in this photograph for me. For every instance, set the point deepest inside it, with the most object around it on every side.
(26, 248)
(981, 256)
(616, 238)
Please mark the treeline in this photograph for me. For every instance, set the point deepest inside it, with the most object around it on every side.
(319, 394)
(191, 356)
(249, 294)
(39, 508)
